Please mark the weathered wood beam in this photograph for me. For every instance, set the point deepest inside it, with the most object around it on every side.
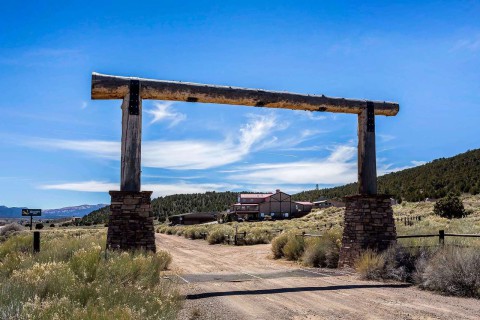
(115, 87)
(131, 146)
(367, 160)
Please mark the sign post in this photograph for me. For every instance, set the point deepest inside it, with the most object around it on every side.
(31, 213)
(36, 235)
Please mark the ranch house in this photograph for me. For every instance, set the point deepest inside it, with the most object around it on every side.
(278, 205)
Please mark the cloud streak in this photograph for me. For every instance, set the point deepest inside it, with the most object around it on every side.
(164, 112)
(158, 189)
(338, 168)
(177, 155)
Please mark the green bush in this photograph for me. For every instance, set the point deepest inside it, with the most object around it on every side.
(449, 207)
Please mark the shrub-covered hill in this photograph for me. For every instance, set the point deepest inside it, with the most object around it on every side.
(197, 202)
(459, 174)
(176, 204)
(98, 216)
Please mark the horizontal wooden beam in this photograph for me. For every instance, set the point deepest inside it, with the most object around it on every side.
(115, 87)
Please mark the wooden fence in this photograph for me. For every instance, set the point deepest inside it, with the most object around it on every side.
(409, 221)
(441, 236)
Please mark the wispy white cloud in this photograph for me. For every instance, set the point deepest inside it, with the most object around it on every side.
(385, 168)
(198, 154)
(472, 43)
(385, 137)
(94, 148)
(158, 189)
(311, 115)
(418, 163)
(164, 112)
(183, 154)
(337, 168)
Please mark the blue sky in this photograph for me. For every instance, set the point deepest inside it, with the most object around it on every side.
(59, 148)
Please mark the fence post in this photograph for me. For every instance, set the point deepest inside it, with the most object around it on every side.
(36, 241)
(441, 237)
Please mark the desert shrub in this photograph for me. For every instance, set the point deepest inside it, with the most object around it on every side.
(449, 207)
(199, 232)
(314, 254)
(189, 233)
(323, 251)
(453, 271)
(19, 243)
(216, 236)
(370, 265)
(170, 230)
(257, 235)
(294, 247)
(277, 245)
(403, 264)
(218, 233)
(39, 226)
(52, 225)
(10, 229)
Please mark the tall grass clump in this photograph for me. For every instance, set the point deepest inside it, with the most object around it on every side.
(294, 247)
(277, 245)
(324, 251)
(370, 265)
(73, 278)
(219, 233)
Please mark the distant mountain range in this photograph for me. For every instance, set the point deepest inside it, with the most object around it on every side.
(74, 211)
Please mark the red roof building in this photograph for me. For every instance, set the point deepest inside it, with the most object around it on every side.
(278, 205)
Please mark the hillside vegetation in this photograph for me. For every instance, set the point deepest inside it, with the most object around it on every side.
(167, 206)
(458, 174)
(197, 202)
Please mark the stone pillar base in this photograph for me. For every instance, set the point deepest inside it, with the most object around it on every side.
(130, 223)
(369, 224)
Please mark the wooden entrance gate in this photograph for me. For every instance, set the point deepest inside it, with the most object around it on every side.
(134, 90)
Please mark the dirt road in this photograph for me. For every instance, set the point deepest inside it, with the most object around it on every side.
(226, 282)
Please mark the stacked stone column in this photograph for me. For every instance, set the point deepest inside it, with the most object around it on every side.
(369, 224)
(130, 224)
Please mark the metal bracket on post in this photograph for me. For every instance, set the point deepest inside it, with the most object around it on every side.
(370, 117)
(134, 97)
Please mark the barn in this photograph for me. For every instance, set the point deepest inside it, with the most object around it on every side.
(278, 205)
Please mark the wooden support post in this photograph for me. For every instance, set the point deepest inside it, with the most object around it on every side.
(367, 162)
(131, 139)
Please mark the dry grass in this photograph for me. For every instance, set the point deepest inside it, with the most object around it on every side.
(71, 279)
